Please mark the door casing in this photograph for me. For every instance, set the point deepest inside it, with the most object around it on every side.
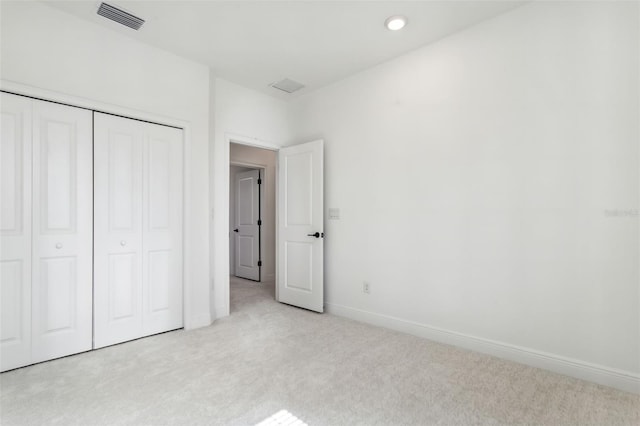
(256, 143)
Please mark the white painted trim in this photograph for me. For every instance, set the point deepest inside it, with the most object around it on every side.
(277, 229)
(223, 306)
(49, 95)
(257, 143)
(247, 140)
(198, 322)
(248, 165)
(619, 379)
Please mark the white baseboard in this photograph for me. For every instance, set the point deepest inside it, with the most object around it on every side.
(269, 277)
(197, 322)
(623, 380)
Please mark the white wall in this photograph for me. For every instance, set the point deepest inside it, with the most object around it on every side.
(478, 177)
(243, 154)
(52, 50)
(244, 116)
(474, 178)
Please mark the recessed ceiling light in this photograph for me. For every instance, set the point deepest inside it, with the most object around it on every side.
(395, 23)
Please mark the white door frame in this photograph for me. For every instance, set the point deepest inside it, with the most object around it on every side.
(263, 175)
(75, 101)
(256, 143)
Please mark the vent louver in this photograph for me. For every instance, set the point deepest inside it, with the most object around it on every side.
(120, 16)
(287, 85)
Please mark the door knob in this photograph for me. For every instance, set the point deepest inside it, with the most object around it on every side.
(235, 230)
(317, 235)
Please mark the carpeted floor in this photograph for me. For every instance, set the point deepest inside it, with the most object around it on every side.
(325, 370)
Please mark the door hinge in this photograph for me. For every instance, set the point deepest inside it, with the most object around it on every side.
(259, 181)
(259, 222)
(259, 262)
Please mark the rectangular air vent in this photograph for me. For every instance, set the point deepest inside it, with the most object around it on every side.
(120, 16)
(287, 85)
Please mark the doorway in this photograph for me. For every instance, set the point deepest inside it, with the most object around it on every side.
(291, 253)
(252, 216)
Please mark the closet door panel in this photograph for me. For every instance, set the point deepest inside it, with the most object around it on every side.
(118, 229)
(138, 229)
(162, 235)
(62, 231)
(15, 232)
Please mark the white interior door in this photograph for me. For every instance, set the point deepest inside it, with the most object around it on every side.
(247, 228)
(300, 226)
(15, 232)
(62, 231)
(138, 229)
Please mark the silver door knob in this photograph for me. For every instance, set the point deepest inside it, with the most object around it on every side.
(123, 243)
(59, 245)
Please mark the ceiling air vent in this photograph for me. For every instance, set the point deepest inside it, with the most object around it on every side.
(120, 16)
(287, 85)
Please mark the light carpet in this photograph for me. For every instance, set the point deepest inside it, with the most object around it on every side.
(322, 369)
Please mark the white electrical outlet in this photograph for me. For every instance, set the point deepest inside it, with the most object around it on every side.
(366, 287)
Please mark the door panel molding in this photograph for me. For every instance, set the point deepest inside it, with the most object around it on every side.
(247, 218)
(300, 226)
(15, 229)
(144, 162)
(62, 231)
(193, 317)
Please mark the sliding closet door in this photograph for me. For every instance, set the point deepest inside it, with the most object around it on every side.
(62, 231)
(138, 229)
(15, 232)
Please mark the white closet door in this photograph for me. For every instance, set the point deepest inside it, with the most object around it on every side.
(118, 146)
(62, 231)
(15, 232)
(162, 229)
(138, 229)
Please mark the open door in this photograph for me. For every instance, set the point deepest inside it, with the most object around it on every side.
(300, 226)
(248, 224)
